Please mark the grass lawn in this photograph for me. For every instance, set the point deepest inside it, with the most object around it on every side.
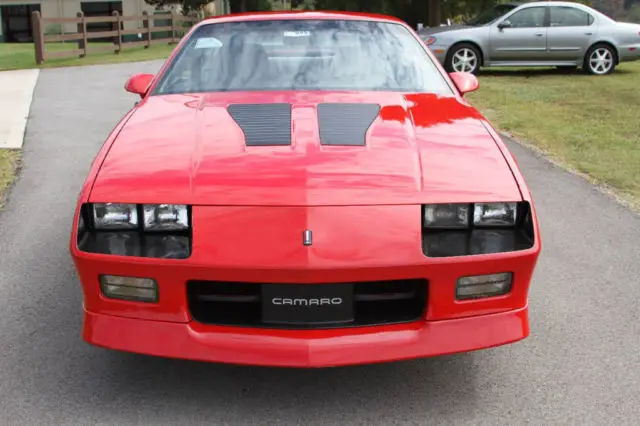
(21, 55)
(590, 124)
(9, 159)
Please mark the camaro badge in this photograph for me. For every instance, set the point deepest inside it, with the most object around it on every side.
(307, 238)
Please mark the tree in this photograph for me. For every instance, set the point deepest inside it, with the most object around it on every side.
(238, 6)
(196, 5)
(187, 5)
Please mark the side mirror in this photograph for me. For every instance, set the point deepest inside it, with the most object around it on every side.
(139, 84)
(504, 24)
(465, 82)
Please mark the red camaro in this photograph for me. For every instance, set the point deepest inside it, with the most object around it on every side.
(304, 189)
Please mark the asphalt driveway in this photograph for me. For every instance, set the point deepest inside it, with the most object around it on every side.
(581, 364)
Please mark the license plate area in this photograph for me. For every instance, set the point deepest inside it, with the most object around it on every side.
(308, 305)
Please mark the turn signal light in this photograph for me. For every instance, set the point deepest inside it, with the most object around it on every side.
(129, 288)
(481, 286)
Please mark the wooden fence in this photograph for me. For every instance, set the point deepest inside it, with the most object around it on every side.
(178, 23)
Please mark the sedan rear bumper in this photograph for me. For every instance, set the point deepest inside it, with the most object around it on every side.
(309, 348)
(629, 53)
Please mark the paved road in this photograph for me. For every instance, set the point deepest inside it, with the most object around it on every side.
(580, 366)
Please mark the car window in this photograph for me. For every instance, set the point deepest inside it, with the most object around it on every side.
(531, 17)
(302, 55)
(564, 16)
(491, 15)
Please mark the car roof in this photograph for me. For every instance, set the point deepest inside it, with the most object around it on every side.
(551, 3)
(300, 15)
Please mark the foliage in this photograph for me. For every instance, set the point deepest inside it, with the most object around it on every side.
(306, 5)
(249, 5)
(53, 29)
(633, 14)
(611, 8)
(411, 11)
(187, 5)
(197, 5)
(375, 6)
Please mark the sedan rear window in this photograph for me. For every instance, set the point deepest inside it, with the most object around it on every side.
(302, 55)
(563, 16)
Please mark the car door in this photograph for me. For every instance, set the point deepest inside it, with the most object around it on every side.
(520, 36)
(571, 32)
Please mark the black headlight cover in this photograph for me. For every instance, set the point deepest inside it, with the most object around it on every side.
(159, 243)
(475, 240)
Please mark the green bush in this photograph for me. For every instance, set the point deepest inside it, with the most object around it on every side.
(633, 14)
(53, 29)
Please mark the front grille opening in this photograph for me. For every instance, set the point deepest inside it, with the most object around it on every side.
(387, 302)
(369, 303)
(231, 303)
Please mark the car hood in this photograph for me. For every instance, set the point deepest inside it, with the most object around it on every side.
(188, 149)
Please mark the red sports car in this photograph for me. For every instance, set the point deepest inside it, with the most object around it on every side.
(307, 190)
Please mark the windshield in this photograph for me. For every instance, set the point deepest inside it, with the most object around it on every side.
(491, 15)
(302, 55)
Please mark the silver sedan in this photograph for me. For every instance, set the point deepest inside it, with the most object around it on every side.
(562, 34)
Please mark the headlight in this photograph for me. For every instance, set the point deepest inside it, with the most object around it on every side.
(457, 216)
(497, 227)
(165, 217)
(115, 216)
(161, 231)
(446, 215)
(495, 214)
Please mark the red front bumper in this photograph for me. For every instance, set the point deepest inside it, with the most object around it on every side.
(345, 250)
(317, 348)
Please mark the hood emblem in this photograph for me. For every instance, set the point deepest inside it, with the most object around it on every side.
(307, 237)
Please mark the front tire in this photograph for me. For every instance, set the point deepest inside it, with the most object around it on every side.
(463, 57)
(600, 60)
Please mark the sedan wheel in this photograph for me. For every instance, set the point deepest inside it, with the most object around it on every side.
(464, 58)
(600, 60)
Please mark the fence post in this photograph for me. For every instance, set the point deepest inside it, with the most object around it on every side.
(82, 29)
(146, 24)
(173, 27)
(38, 37)
(118, 38)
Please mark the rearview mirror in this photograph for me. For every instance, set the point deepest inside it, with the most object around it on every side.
(139, 84)
(465, 82)
(504, 24)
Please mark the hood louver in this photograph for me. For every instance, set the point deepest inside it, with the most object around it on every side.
(345, 124)
(263, 124)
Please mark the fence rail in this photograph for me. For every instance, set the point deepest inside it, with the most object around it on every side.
(176, 24)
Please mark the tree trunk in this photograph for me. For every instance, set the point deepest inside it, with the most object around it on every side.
(435, 13)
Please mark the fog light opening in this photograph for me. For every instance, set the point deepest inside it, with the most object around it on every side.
(483, 286)
(129, 288)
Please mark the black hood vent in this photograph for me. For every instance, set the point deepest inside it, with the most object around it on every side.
(345, 124)
(263, 124)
